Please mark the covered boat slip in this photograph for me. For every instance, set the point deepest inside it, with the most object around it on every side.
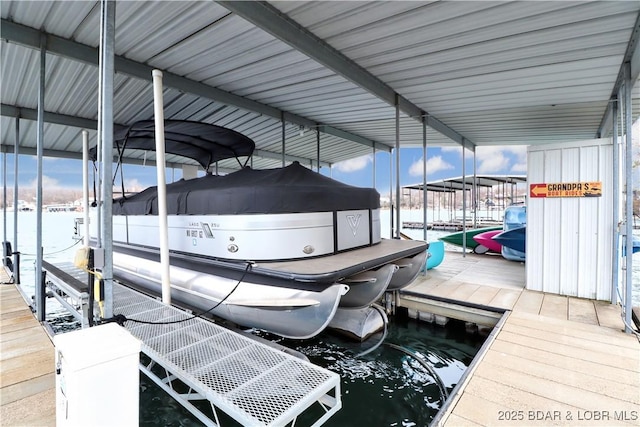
(321, 83)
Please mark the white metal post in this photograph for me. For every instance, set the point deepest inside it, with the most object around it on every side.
(108, 18)
(16, 153)
(615, 262)
(85, 185)
(628, 84)
(424, 179)
(397, 234)
(158, 113)
(464, 202)
(40, 297)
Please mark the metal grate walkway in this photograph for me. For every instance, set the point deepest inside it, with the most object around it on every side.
(196, 361)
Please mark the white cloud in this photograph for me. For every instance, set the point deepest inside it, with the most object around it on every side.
(496, 159)
(434, 164)
(455, 149)
(519, 168)
(491, 161)
(353, 165)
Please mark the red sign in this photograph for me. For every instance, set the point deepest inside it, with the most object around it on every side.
(538, 190)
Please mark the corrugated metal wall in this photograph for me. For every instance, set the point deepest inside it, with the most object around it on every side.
(569, 240)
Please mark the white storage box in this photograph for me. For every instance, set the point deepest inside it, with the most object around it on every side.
(97, 377)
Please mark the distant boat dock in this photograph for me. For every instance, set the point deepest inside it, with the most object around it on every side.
(449, 225)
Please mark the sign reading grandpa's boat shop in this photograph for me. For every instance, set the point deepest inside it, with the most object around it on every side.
(566, 189)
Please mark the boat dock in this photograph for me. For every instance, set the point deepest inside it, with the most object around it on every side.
(549, 360)
(27, 393)
(449, 225)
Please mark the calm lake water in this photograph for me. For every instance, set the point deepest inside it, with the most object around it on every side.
(401, 391)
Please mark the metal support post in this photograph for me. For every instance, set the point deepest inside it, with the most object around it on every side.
(107, 15)
(615, 262)
(464, 203)
(16, 253)
(40, 293)
(4, 199)
(474, 201)
(424, 179)
(628, 84)
(318, 147)
(397, 233)
(283, 141)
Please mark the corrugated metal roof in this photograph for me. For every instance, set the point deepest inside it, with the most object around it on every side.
(495, 72)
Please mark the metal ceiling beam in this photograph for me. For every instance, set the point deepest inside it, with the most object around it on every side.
(30, 37)
(631, 56)
(55, 118)
(80, 122)
(270, 19)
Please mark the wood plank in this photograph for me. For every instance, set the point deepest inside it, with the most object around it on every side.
(514, 398)
(575, 329)
(582, 310)
(609, 315)
(24, 389)
(554, 306)
(483, 295)
(17, 321)
(479, 410)
(630, 364)
(27, 366)
(568, 363)
(33, 343)
(505, 298)
(464, 291)
(456, 420)
(529, 302)
(444, 290)
(587, 382)
(37, 410)
(30, 329)
(552, 389)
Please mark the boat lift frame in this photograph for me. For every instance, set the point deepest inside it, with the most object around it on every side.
(204, 366)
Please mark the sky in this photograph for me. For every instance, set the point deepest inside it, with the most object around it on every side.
(441, 163)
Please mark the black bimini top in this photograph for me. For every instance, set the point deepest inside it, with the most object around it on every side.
(202, 142)
(292, 189)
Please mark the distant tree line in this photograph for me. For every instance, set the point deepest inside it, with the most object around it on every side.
(57, 196)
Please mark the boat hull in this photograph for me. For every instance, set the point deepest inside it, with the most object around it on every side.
(486, 239)
(513, 239)
(408, 270)
(367, 287)
(288, 312)
(436, 254)
(359, 323)
(456, 239)
(258, 237)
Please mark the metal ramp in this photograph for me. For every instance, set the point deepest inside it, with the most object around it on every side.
(209, 369)
(251, 382)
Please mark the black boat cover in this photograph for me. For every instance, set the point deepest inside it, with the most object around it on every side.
(202, 142)
(292, 189)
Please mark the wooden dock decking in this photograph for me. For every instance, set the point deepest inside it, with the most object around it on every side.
(555, 360)
(27, 382)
